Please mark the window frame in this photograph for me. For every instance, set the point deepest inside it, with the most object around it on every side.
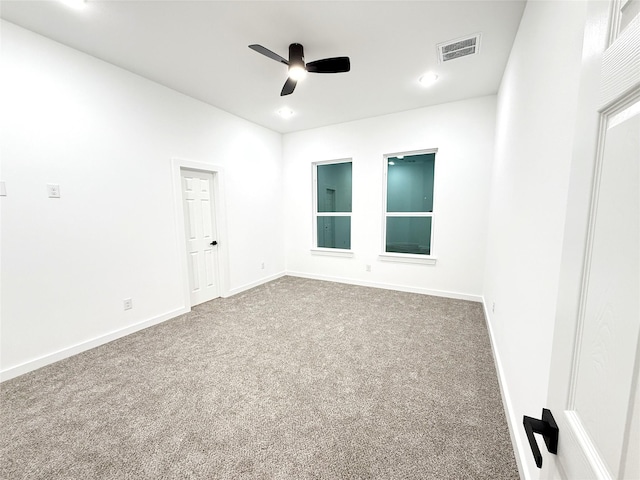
(430, 259)
(315, 250)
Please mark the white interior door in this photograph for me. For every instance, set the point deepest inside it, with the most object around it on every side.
(593, 388)
(200, 231)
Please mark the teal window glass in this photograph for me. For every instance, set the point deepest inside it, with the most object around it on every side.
(410, 183)
(334, 232)
(334, 187)
(409, 235)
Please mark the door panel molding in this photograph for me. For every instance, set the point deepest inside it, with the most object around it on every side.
(603, 125)
(574, 423)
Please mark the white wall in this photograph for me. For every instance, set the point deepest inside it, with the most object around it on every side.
(464, 134)
(107, 137)
(537, 105)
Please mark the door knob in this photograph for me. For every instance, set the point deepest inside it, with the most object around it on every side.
(546, 427)
(213, 243)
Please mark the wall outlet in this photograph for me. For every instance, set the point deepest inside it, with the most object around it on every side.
(128, 303)
(262, 266)
(53, 190)
(493, 307)
(367, 268)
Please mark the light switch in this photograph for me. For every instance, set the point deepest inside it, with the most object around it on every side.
(3, 189)
(53, 190)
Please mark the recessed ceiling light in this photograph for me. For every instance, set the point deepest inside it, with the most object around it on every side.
(285, 112)
(78, 4)
(428, 79)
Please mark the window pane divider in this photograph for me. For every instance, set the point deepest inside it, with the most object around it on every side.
(409, 214)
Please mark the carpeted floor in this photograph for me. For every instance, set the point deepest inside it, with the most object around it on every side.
(295, 379)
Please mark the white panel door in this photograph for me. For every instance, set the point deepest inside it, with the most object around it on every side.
(593, 388)
(200, 231)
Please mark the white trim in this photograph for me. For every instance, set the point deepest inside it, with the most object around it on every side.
(389, 286)
(513, 422)
(67, 352)
(177, 164)
(338, 160)
(625, 114)
(586, 446)
(257, 283)
(332, 252)
(424, 151)
(408, 258)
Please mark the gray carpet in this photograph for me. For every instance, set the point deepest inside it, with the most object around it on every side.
(295, 379)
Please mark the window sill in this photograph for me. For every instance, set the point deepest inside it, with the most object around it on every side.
(332, 252)
(408, 258)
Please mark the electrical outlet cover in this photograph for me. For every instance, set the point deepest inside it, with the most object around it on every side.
(53, 190)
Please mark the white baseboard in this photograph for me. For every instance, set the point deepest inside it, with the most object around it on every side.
(513, 421)
(50, 358)
(390, 286)
(257, 283)
(47, 359)
(39, 362)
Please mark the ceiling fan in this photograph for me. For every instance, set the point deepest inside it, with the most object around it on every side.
(298, 69)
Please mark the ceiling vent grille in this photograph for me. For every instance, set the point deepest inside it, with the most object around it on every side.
(461, 47)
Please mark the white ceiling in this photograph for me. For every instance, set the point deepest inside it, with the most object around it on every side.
(199, 48)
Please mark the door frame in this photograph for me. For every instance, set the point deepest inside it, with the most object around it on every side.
(177, 165)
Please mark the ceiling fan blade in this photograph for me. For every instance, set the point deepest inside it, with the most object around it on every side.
(268, 53)
(288, 87)
(330, 65)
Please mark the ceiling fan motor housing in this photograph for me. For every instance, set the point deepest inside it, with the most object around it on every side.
(296, 55)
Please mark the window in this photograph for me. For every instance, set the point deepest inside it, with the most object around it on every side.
(332, 205)
(408, 222)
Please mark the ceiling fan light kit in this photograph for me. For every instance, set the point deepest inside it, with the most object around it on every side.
(297, 67)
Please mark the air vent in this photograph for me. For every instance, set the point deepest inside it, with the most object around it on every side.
(460, 47)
